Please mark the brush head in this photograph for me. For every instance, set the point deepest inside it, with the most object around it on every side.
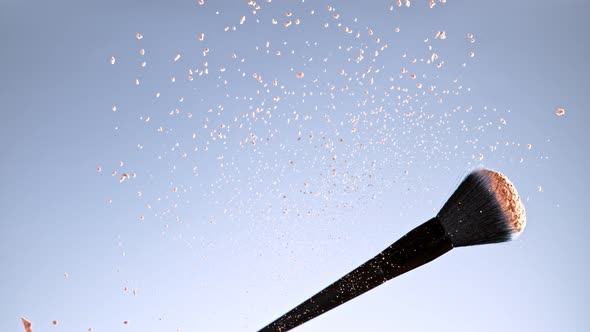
(485, 208)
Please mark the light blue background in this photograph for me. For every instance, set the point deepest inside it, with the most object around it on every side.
(227, 252)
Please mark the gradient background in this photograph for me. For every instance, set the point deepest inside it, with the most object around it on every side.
(253, 230)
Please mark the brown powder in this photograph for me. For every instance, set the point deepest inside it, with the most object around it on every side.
(509, 200)
(27, 324)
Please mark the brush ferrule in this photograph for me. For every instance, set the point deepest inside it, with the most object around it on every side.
(420, 246)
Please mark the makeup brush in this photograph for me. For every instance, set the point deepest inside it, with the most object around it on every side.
(485, 208)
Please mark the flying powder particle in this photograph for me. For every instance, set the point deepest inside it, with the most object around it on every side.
(27, 324)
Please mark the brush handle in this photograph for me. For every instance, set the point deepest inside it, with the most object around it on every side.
(421, 245)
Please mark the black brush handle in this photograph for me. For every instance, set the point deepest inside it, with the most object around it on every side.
(421, 245)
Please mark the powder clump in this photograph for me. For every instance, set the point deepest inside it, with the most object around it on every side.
(508, 199)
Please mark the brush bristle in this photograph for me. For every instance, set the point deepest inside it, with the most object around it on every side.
(485, 208)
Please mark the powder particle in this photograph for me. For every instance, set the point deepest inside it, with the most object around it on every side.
(124, 177)
(560, 111)
(54, 322)
(27, 324)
